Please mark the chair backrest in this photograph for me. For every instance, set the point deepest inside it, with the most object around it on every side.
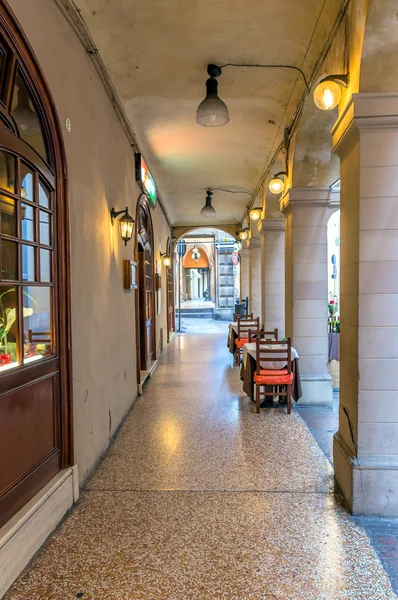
(264, 335)
(238, 316)
(246, 325)
(39, 337)
(273, 351)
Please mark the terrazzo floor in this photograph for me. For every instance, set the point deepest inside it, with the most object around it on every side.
(200, 498)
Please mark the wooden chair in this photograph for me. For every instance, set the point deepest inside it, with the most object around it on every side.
(244, 326)
(237, 316)
(272, 351)
(264, 335)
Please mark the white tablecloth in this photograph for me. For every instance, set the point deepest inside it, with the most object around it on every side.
(251, 349)
(234, 327)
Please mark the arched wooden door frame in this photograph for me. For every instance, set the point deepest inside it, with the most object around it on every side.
(171, 326)
(23, 57)
(144, 237)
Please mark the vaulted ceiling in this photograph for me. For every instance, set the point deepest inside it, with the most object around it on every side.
(156, 53)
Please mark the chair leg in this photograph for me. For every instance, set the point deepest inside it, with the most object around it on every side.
(236, 354)
(289, 399)
(257, 398)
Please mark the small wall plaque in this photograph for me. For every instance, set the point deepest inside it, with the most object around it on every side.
(130, 275)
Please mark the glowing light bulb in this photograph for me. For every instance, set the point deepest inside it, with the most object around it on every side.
(327, 95)
(276, 185)
(213, 118)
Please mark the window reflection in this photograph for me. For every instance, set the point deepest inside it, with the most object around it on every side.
(44, 195)
(8, 327)
(28, 263)
(44, 228)
(8, 216)
(9, 260)
(24, 112)
(37, 322)
(7, 172)
(28, 223)
(45, 265)
(26, 183)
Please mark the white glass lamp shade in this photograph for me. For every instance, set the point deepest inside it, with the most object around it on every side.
(276, 185)
(212, 112)
(244, 234)
(208, 211)
(255, 214)
(327, 95)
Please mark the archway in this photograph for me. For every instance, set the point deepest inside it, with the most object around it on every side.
(35, 402)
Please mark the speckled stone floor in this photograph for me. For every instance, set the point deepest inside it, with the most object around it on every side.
(200, 498)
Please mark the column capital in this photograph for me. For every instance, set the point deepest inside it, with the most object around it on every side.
(277, 224)
(305, 197)
(365, 112)
(253, 242)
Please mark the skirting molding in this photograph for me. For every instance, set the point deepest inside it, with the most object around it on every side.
(27, 531)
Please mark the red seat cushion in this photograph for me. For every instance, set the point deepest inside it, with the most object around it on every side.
(240, 343)
(273, 379)
(273, 372)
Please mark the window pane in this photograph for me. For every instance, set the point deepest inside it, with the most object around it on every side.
(9, 260)
(8, 328)
(28, 263)
(28, 223)
(26, 117)
(26, 182)
(44, 195)
(8, 216)
(45, 265)
(37, 323)
(45, 228)
(7, 171)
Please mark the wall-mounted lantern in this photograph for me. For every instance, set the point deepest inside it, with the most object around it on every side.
(277, 184)
(166, 259)
(244, 234)
(126, 224)
(327, 93)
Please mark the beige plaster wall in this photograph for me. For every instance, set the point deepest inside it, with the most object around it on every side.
(101, 175)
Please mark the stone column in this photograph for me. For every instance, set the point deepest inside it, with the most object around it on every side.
(366, 444)
(254, 246)
(307, 213)
(272, 232)
(244, 273)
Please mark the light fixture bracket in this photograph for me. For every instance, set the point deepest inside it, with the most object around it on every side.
(341, 79)
(214, 70)
(115, 214)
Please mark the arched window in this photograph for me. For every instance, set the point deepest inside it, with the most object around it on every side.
(34, 314)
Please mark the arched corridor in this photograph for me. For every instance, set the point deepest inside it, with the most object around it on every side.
(199, 497)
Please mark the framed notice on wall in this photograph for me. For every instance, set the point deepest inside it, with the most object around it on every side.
(129, 275)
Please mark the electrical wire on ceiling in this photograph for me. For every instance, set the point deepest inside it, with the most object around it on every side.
(295, 121)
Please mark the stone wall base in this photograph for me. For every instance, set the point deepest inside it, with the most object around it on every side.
(369, 483)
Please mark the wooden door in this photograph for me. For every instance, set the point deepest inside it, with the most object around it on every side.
(170, 292)
(146, 306)
(35, 403)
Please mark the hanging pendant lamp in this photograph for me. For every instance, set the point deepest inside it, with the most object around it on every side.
(212, 111)
(208, 210)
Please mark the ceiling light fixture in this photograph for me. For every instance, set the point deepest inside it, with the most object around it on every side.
(208, 210)
(327, 93)
(277, 184)
(212, 111)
